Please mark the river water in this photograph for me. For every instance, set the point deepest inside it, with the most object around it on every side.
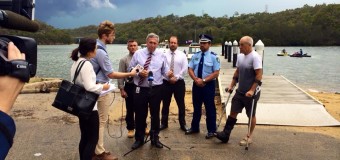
(318, 73)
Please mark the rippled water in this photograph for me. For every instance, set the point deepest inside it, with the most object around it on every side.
(320, 72)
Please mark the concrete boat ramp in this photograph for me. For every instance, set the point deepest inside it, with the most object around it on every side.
(281, 102)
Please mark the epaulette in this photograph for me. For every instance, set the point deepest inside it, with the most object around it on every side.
(213, 53)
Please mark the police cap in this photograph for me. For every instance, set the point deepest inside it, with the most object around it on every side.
(205, 38)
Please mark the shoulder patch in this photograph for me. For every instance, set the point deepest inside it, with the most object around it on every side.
(218, 60)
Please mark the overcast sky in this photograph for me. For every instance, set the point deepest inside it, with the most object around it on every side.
(76, 13)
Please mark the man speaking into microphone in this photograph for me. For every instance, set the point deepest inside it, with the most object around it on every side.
(148, 88)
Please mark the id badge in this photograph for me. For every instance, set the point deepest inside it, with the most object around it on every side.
(137, 89)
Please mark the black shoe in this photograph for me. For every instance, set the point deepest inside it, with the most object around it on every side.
(184, 128)
(137, 144)
(155, 142)
(210, 135)
(163, 127)
(190, 131)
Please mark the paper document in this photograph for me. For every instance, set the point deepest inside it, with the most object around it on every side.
(112, 87)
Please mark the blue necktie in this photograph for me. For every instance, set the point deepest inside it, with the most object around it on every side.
(200, 67)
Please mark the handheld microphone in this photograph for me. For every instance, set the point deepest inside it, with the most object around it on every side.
(11, 20)
(150, 76)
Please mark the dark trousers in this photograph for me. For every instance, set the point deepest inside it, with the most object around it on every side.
(204, 95)
(89, 130)
(147, 98)
(178, 90)
(130, 111)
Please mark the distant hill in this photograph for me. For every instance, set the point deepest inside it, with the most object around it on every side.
(306, 26)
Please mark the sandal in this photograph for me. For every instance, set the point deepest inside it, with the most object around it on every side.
(243, 142)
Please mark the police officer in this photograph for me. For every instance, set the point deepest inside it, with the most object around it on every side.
(204, 68)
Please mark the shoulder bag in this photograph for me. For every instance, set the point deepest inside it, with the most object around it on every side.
(74, 99)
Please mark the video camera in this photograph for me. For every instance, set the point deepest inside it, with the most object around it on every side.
(18, 15)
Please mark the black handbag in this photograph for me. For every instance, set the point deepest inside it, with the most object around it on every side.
(73, 98)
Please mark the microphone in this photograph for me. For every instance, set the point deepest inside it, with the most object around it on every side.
(150, 78)
(11, 20)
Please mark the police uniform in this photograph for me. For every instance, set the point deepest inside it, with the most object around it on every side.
(204, 94)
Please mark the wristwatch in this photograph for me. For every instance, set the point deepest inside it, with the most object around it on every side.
(203, 80)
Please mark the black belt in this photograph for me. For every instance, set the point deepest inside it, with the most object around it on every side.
(155, 86)
(177, 80)
(101, 82)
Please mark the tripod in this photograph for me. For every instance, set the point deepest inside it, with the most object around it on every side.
(146, 140)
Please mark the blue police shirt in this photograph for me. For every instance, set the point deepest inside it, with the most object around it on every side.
(211, 63)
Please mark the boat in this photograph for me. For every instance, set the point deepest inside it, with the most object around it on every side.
(163, 46)
(193, 48)
(298, 54)
(282, 54)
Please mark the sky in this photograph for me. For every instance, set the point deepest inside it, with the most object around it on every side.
(67, 14)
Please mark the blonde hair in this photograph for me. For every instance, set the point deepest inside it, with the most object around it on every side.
(105, 27)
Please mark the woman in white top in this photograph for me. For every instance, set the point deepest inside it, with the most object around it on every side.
(89, 128)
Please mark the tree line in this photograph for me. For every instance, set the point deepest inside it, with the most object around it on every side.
(317, 25)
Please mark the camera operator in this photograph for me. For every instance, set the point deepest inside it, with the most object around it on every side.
(10, 87)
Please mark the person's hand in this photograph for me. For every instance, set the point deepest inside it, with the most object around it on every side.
(133, 72)
(170, 74)
(173, 80)
(10, 87)
(123, 93)
(199, 82)
(250, 93)
(106, 86)
(144, 73)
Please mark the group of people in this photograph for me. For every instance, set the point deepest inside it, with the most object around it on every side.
(147, 77)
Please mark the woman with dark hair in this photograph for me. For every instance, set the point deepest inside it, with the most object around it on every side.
(89, 128)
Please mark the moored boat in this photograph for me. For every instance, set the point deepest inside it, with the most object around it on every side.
(193, 48)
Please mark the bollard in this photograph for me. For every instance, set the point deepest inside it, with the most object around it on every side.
(222, 48)
(235, 52)
(226, 50)
(229, 51)
(259, 48)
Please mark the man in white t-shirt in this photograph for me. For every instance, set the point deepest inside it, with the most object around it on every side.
(249, 75)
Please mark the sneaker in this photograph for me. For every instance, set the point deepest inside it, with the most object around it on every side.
(243, 142)
(147, 131)
(104, 156)
(131, 133)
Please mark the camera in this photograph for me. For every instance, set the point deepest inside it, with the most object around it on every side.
(18, 15)
(22, 7)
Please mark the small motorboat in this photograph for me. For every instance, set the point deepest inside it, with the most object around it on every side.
(282, 54)
(298, 54)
